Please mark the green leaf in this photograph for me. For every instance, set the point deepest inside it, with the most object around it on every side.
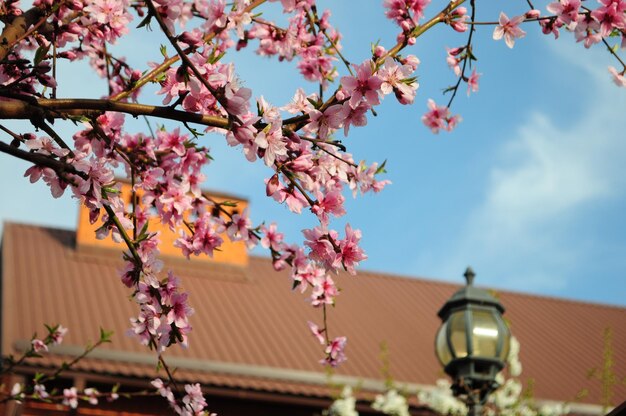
(105, 336)
(144, 230)
(315, 104)
(381, 168)
(110, 190)
(217, 58)
(41, 53)
(145, 22)
(163, 50)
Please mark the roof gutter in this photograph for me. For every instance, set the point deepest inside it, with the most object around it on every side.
(282, 374)
(209, 366)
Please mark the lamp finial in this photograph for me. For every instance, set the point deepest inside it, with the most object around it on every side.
(469, 276)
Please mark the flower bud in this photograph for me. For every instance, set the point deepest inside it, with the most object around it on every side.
(272, 186)
(533, 14)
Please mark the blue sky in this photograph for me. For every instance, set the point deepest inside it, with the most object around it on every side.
(529, 189)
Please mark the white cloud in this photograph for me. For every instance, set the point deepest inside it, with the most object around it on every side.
(549, 177)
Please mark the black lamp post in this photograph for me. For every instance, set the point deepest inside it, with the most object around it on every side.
(472, 343)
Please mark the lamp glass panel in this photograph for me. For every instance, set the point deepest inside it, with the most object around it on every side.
(485, 333)
(441, 345)
(506, 345)
(458, 337)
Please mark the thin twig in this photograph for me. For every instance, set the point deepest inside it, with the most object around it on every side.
(468, 55)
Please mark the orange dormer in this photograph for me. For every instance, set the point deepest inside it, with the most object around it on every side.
(233, 253)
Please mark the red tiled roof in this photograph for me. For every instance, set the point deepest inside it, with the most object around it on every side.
(250, 329)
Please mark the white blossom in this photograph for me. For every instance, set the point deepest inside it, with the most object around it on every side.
(345, 405)
(441, 400)
(391, 403)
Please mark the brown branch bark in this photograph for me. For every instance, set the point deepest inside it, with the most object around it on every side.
(62, 108)
(39, 159)
(13, 31)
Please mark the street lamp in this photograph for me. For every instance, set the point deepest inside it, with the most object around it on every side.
(472, 343)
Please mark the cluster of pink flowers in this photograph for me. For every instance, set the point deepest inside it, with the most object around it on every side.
(37, 390)
(309, 169)
(71, 396)
(300, 39)
(193, 402)
(405, 13)
(164, 315)
(335, 349)
(439, 118)
(590, 26)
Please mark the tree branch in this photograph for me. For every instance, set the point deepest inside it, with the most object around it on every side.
(14, 31)
(62, 108)
(40, 160)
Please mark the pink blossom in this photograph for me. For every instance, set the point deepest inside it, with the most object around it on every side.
(509, 29)
(92, 395)
(172, 141)
(351, 253)
(271, 141)
(327, 204)
(17, 393)
(310, 274)
(238, 228)
(169, 287)
(317, 333)
(610, 16)
(180, 311)
(194, 398)
(412, 61)
(453, 59)
(354, 116)
(618, 77)
(324, 123)
(397, 79)
(565, 10)
(472, 82)
(295, 200)
(318, 240)
(237, 100)
(587, 30)
(237, 20)
(34, 173)
(532, 14)
(459, 18)
(70, 397)
(400, 11)
(363, 179)
(57, 334)
(215, 15)
(163, 389)
(39, 390)
(324, 291)
(438, 118)
(271, 237)
(46, 146)
(39, 346)
(364, 86)
(205, 237)
(335, 352)
(299, 103)
(57, 185)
